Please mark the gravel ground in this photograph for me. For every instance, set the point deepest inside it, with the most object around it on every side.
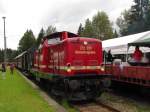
(124, 104)
(92, 108)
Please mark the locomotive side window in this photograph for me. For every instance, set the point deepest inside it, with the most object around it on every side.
(54, 40)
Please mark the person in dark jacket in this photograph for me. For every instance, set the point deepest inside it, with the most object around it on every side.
(3, 70)
(12, 68)
(109, 57)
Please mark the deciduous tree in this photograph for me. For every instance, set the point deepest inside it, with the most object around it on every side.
(27, 41)
(102, 26)
(99, 27)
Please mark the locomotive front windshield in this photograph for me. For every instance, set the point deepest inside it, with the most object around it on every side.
(54, 40)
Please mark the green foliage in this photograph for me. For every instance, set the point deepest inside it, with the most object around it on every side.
(88, 29)
(40, 36)
(26, 41)
(51, 29)
(80, 30)
(11, 54)
(136, 19)
(100, 27)
(122, 22)
(147, 21)
(1, 55)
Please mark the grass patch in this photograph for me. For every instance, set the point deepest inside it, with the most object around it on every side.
(16, 95)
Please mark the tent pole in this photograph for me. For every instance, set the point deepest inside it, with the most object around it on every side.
(127, 53)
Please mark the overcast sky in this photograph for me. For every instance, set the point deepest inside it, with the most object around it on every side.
(64, 14)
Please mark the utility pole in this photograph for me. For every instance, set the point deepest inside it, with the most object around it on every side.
(5, 46)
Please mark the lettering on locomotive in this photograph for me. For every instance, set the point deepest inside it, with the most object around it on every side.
(85, 50)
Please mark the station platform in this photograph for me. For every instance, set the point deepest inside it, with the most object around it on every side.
(17, 95)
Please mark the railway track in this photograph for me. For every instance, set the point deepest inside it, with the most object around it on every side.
(95, 106)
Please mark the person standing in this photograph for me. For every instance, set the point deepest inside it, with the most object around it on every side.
(12, 68)
(109, 57)
(137, 55)
(3, 70)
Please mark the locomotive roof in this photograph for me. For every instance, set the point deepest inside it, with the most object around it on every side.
(58, 34)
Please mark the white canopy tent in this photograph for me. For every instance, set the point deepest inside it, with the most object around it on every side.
(120, 45)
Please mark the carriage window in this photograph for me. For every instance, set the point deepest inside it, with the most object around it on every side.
(54, 40)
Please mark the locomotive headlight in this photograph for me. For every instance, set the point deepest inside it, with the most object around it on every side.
(68, 67)
(85, 43)
(102, 68)
(68, 70)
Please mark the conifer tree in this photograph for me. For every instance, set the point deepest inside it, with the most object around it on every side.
(40, 36)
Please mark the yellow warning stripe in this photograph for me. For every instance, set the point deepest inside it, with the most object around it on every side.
(35, 65)
(79, 67)
(71, 67)
(42, 66)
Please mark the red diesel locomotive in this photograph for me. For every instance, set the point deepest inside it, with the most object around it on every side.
(69, 65)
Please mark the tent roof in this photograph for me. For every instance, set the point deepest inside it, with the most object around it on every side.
(143, 41)
(119, 45)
